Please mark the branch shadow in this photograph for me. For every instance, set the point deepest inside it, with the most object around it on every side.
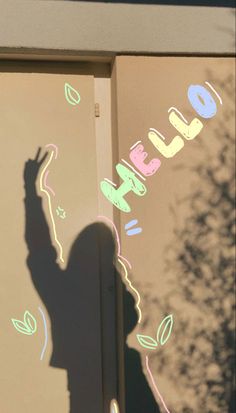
(200, 261)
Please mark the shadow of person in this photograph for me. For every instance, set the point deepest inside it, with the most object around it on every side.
(72, 298)
(138, 395)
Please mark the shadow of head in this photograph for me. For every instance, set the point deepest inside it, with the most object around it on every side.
(95, 240)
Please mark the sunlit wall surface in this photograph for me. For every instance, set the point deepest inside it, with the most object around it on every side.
(183, 258)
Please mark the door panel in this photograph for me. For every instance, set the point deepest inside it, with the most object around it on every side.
(34, 112)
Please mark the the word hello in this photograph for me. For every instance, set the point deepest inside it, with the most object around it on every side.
(204, 104)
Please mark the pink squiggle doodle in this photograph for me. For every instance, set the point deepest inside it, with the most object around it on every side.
(45, 183)
(117, 239)
(115, 229)
(125, 259)
(155, 386)
(120, 258)
(55, 147)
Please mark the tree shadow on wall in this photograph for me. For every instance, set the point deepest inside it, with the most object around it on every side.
(201, 295)
(72, 298)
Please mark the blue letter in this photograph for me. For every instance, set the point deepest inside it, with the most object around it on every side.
(202, 101)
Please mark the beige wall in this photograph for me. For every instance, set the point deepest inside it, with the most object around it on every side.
(146, 87)
(63, 28)
(34, 112)
(95, 31)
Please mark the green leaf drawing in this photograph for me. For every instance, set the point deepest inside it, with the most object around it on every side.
(164, 329)
(147, 342)
(72, 96)
(21, 327)
(30, 322)
(28, 326)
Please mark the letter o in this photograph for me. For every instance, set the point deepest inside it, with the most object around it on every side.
(202, 101)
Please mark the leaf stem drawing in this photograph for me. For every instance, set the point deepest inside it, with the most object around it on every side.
(45, 333)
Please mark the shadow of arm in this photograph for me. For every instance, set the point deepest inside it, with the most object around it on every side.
(42, 255)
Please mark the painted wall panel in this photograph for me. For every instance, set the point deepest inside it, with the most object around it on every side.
(34, 112)
(182, 251)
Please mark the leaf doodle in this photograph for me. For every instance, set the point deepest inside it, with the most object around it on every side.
(147, 342)
(21, 327)
(164, 329)
(30, 321)
(28, 326)
(71, 95)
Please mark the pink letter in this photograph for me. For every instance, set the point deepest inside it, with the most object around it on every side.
(137, 156)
